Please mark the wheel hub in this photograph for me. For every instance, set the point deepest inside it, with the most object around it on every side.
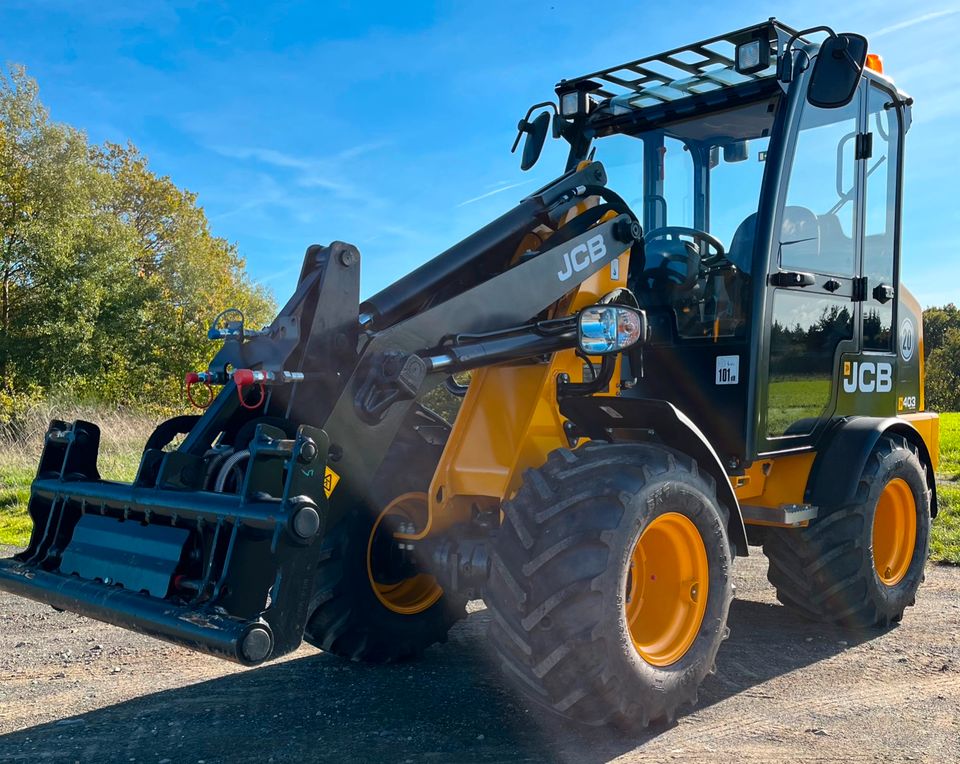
(391, 563)
(667, 589)
(894, 532)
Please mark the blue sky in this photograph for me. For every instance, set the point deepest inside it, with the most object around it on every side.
(388, 124)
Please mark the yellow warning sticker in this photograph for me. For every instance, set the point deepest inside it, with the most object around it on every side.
(330, 480)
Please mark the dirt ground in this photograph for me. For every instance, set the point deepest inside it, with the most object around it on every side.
(72, 689)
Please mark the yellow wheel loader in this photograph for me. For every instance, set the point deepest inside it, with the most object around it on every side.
(693, 340)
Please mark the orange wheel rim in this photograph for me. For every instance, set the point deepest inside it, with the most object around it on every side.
(667, 589)
(419, 592)
(894, 532)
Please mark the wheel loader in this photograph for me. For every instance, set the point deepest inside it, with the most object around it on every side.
(694, 340)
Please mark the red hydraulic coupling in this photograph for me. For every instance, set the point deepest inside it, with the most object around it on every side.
(246, 377)
(205, 378)
(259, 376)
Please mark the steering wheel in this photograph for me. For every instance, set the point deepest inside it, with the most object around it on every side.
(704, 239)
(692, 258)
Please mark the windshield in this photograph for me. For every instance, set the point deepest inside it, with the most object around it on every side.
(728, 148)
(703, 175)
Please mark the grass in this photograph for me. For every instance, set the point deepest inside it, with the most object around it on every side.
(945, 535)
(123, 436)
(949, 467)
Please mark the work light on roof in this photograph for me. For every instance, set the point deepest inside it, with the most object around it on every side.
(575, 97)
(753, 56)
(570, 103)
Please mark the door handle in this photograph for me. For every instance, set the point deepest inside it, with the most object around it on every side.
(883, 293)
(792, 279)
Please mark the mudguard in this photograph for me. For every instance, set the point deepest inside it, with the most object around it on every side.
(843, 451)
(601, 417)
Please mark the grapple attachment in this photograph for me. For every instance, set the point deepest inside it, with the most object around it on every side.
(230, 574)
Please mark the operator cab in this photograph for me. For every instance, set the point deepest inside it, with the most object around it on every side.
(766, 263)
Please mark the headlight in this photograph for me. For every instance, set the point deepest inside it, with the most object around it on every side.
(607, 329)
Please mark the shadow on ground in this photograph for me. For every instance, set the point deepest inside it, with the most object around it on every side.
(449, 706)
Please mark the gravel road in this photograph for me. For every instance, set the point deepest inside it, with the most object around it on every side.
(72, 689)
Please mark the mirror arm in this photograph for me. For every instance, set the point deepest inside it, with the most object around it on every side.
(524, 125)
(785, 73)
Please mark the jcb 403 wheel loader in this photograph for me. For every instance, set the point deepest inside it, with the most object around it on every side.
(718, 353)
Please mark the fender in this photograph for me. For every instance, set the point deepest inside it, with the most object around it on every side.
(598, 417)
(843, 451)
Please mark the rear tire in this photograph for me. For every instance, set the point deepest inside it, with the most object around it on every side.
(348, 617)
(848, 567)
(562, 583)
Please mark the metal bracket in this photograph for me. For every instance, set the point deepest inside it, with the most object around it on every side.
(789, 515)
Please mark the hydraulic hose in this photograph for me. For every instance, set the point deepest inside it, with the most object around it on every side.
(227, 467)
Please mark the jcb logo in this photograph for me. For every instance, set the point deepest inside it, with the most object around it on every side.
(867, 377)
(581, 256)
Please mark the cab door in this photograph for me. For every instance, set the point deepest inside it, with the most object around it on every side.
(868, 378)
(814, 284)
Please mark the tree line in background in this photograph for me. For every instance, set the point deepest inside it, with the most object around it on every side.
(941, 349)
(109, 274)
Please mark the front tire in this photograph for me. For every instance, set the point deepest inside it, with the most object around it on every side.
(358, 611)
(859, 565)
(610, 583)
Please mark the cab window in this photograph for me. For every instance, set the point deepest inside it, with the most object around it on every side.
(700, 182)
(880, 221)
(817, 229)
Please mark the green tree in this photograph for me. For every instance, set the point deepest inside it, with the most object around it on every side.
(109, 274)
(49, 235)
(941, 351)
(937, 322)
(180, 277)
(942, 385)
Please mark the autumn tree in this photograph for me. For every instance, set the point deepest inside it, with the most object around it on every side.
(109, 274)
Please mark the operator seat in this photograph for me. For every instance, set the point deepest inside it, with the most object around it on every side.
(835, 245)
(799, 225)
(740, 252)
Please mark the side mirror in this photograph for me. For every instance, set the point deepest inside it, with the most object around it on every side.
(837, 70)
(536, 132)
(605, 329)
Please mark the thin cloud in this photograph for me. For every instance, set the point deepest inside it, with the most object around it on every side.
(360, 149)
(495, 191)
(283, 273)
(311, 172)
(281, 159)
(921, 19)
(266, 156)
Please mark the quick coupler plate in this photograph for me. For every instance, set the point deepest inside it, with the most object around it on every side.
(229, 574)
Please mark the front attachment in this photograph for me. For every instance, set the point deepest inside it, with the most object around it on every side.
(230, 574)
